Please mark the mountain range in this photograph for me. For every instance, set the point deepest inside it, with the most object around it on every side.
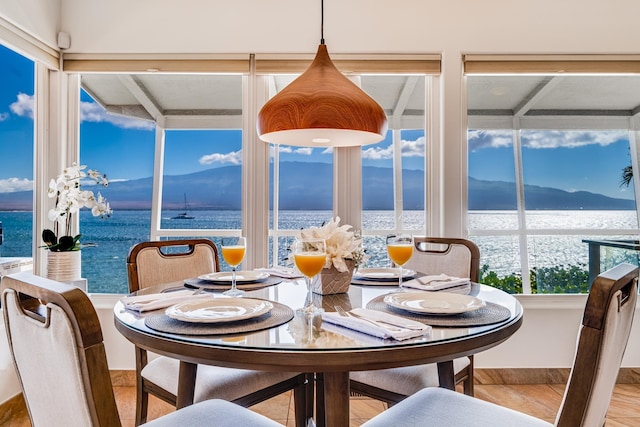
(308, 186)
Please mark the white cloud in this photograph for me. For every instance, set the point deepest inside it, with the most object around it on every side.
(92, 112)
(235, 157)
(11, 185)
(490, 138)
(306, 151)
(413, 148)
(4, 116)
(378, 153)
(409, 149)
(570, 139)
(89, 112)
(543, 138)
(23, 106)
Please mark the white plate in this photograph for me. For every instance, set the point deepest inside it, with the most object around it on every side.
(434, 302)
(382, 274)
(217, 310)
(241, 276)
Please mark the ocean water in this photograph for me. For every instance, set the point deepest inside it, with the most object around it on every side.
(105, 264)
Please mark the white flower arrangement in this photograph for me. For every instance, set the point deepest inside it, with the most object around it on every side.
(342, 243)
(69, 200)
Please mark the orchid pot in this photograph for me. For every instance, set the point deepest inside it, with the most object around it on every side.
(333, 281)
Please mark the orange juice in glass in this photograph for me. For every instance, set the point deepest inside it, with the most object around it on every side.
(233, 255)
(400, 250)
(310, 256)
(310, 264)
(233, 250)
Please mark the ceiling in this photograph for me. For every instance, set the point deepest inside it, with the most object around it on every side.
(183, 101)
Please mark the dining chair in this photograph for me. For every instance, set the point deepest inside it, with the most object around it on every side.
(602, 339)
(158, 262)
(432, 255)
(57, 346)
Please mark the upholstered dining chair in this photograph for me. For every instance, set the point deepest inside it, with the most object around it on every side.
(432, 255)
(57, 346)
(154, 263)
(602, 339)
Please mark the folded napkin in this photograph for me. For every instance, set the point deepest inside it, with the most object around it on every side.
(383, 330)
(150, 302)
(436, 283)
(284, 272)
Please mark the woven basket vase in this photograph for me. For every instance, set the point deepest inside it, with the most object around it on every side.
(331, 281)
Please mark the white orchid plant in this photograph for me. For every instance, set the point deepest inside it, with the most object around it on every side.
(70, 198)
(342, 243)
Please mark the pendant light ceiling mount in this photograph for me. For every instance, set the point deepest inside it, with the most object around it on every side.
(322, 108)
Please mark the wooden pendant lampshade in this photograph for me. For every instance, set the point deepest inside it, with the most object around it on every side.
(322, 108)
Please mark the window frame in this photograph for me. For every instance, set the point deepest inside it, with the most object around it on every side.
(552, 65)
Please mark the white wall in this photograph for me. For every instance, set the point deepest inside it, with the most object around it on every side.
(40, 18)
(380, 26)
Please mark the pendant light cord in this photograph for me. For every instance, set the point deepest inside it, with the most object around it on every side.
(321, 21)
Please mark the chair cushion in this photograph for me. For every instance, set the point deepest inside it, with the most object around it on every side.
(212, 382)
(406, 380)
(437, 406)
(215, 412)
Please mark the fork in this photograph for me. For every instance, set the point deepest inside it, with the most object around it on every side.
(342, 312)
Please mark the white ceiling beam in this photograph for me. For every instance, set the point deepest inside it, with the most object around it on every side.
(142, 95)
(529, 102)
(403, 100)
(203, 122)
(550, 122)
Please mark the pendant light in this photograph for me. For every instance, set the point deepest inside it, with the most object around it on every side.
(322, 108)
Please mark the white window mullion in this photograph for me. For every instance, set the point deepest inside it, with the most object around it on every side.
(255, 175)
(276, 205)
(52, 154)
(522, 223)
(158, 172)
(347, 185)
(433, 201)
(634, 140)
(397, 179)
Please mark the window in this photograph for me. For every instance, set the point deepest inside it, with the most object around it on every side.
(177, 141)
(302, 179)
(121, 148)
(547, 154)
(385, 203)
(16, 148)
(174, 134)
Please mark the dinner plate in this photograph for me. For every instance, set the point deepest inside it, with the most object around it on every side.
(382, 274)
(218, 310)
(241, 276)
(434, 302)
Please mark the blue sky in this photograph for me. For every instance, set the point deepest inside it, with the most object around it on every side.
(123, 148)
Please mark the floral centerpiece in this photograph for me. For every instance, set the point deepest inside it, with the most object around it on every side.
(70, 198)
(344, 253)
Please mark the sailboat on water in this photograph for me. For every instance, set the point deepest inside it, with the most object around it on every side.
(185, 214)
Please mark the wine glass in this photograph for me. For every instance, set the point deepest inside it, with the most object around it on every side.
(400, 249)
(233, 250)
(310, 255)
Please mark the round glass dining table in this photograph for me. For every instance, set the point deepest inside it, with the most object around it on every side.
(308, 345)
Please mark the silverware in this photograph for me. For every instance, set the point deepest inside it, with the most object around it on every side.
(393, 328)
